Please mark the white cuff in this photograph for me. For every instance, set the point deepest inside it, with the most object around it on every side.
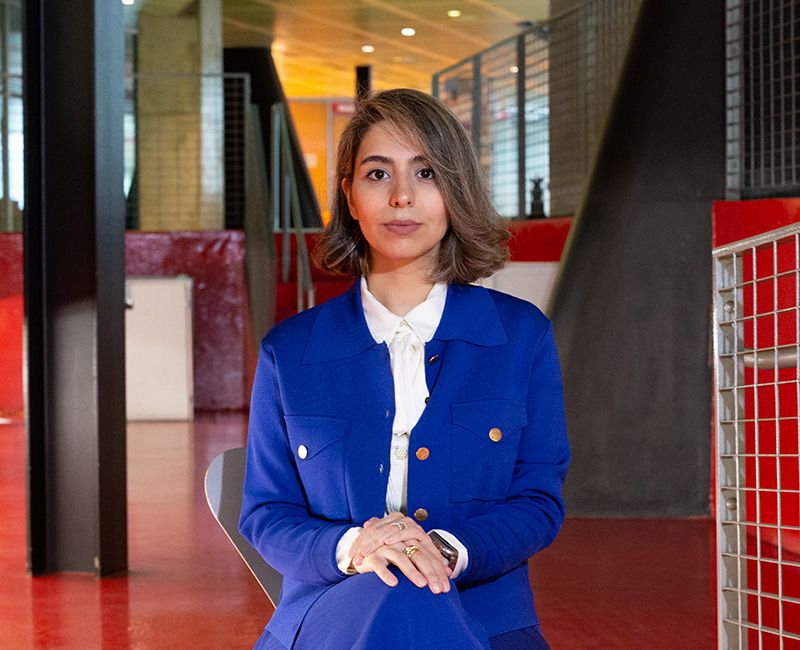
(343, 548)
(463, 555)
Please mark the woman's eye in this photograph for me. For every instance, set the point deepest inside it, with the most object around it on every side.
(426, 173)
(377, 174)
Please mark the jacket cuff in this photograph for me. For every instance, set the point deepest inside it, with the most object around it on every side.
(470, 551)
(343, 548)
(324, 551)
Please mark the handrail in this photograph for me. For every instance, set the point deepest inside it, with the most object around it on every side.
(286, 203)
(784, 356)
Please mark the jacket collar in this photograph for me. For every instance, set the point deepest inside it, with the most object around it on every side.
(340, 329)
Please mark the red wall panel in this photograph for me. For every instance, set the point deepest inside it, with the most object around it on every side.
(11, 319)
(215, 261)
(538, 240)
(223, 354)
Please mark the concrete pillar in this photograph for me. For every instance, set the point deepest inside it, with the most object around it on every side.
(179, 98)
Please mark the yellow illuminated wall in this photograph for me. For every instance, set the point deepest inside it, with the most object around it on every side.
(319, 124)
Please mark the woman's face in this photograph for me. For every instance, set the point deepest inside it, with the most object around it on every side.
(395, 199)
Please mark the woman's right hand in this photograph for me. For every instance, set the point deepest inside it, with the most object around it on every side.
(423, 568)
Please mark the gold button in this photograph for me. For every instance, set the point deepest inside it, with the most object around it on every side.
(423, 453)
(420, 514)
(495, 434)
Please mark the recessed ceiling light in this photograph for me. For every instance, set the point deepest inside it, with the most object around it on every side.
(367, 49)
(513, 69)
(454, 13)
(128, 2)
(408, 31)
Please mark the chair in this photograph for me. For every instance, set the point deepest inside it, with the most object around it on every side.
(223, 484)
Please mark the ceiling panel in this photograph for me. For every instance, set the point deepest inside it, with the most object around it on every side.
(317, 43)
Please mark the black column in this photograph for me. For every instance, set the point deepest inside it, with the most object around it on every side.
(74, 285)
(363, 81)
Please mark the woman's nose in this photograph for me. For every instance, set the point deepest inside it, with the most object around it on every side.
(401, 196)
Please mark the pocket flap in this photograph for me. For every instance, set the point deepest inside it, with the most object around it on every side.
(314, 432)
(482, 416)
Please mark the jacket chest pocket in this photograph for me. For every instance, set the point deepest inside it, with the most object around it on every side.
(484, 443)
(317, 444)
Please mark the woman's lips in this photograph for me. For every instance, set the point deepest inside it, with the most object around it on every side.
(402, 227)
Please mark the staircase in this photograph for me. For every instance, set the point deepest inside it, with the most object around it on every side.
(326, 285)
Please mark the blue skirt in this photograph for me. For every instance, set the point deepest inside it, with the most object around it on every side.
(363, 613)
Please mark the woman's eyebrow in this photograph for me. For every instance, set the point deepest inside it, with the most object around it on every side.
(387, 161)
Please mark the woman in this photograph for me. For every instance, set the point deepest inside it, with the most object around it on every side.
(407, 444)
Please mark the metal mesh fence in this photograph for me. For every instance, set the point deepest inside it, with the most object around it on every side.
(187, 168)
(537, 121)
(236, 104)
(757, 298)
(537, 136)
(11, 118)
(763, 98)
(499, 134)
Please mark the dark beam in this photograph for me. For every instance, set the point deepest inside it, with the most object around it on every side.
(631, 311)
(74, 285)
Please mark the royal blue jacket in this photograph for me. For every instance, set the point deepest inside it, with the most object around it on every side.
(320, 435)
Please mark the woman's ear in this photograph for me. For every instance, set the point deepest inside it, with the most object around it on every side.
(346, 190)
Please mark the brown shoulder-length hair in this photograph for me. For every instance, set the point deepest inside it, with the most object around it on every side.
(474, 245)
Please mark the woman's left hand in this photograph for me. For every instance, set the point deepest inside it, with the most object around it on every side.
(392, 529)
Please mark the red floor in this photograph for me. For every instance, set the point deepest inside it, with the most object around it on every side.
(604, 584)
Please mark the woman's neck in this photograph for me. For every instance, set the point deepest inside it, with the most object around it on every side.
(399, 291)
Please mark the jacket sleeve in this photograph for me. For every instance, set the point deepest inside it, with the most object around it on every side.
(274, 516)
(531, 516)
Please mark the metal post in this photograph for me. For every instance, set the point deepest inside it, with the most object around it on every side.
(74, 286)
(7, 210)
(363, 81)
(521, 174)
(476, 103)
(280, 219)
(330, 156)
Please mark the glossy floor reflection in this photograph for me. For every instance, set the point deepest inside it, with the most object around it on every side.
(604, 584)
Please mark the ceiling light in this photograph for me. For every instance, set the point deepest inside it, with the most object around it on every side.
(454, 13)
(513, 69)
(367, 49)
(408, 31)
(128, 2)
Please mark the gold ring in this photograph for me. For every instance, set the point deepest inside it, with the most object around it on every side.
(400, 525)
(410, 550)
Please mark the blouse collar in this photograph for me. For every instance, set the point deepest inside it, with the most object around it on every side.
(422, 319)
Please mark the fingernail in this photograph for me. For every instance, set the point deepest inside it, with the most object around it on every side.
(436, 588)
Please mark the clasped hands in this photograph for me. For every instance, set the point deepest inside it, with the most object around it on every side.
(384, 541)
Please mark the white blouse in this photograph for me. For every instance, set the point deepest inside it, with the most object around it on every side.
(406, 337)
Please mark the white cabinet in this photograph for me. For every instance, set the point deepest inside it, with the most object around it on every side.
(158, 348)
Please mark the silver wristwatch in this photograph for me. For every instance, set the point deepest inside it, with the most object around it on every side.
(448, 552)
